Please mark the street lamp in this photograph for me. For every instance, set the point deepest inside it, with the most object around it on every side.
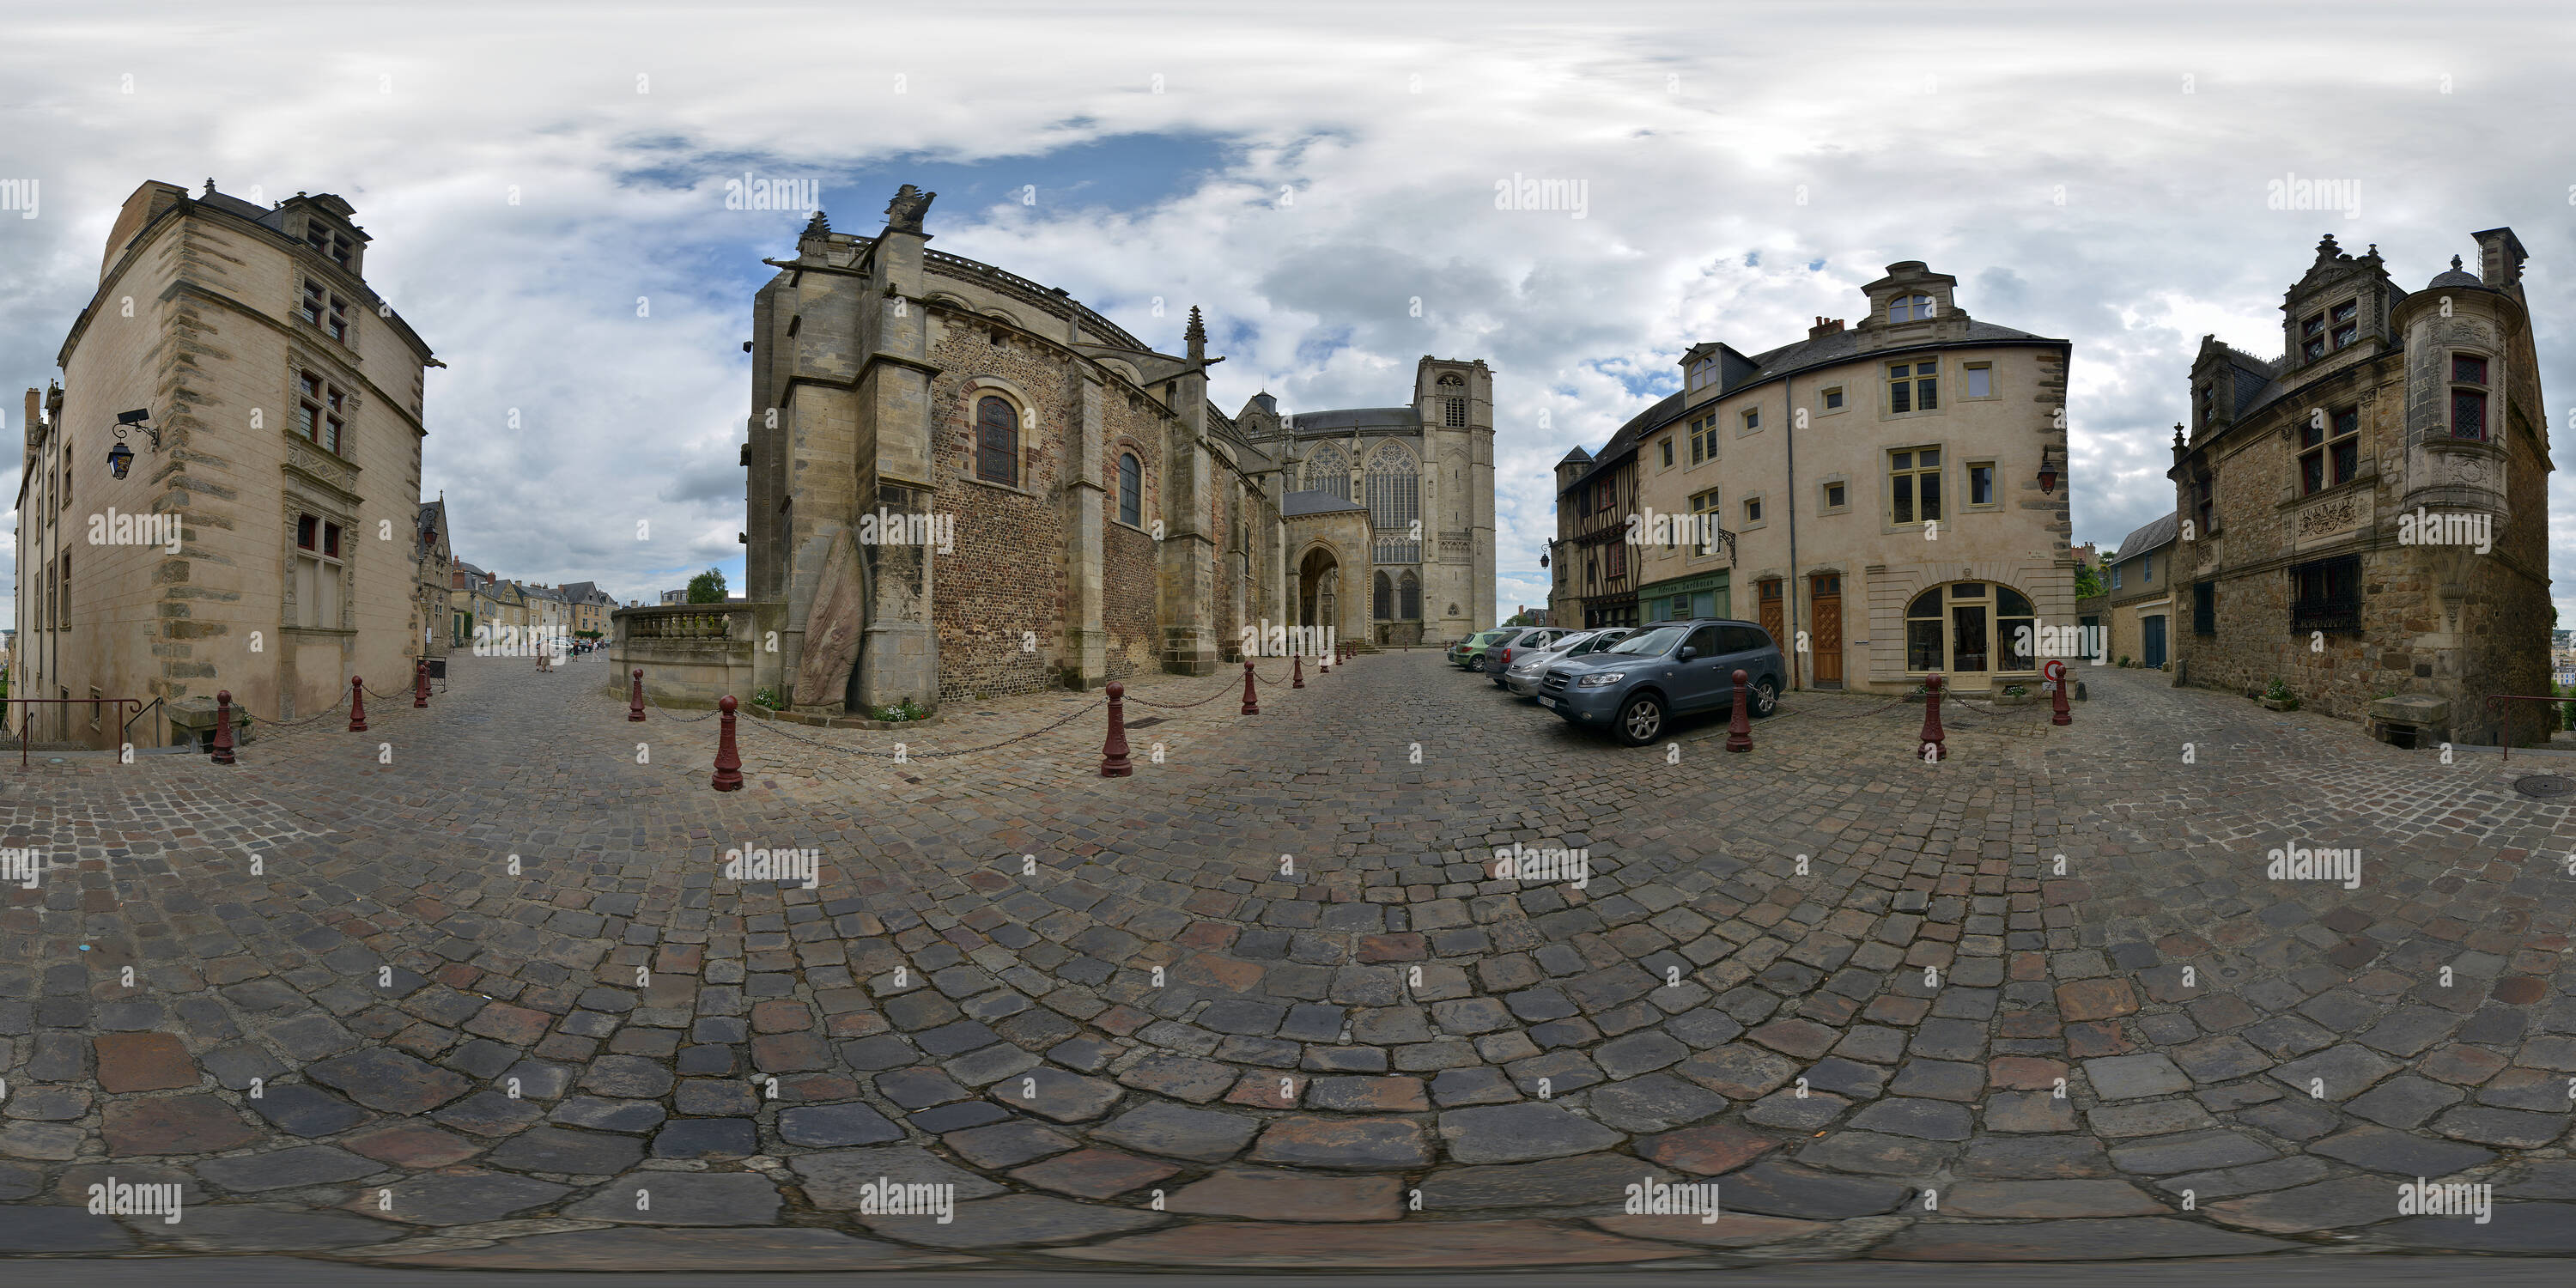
(120, 457)
(2047, 473)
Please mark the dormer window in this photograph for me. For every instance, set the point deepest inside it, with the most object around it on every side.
(1909, 308)
(2322, 333)
(1703, 372)
(328, 241)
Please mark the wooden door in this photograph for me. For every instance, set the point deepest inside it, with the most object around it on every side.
(1768, 593)
(1825, 641)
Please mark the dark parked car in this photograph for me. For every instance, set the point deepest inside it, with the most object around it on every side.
(1485, 648)
(1635, 687)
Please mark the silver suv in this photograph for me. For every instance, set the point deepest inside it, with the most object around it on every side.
(1526, 671)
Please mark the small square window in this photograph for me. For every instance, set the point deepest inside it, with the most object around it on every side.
(1753, 509)
(1753, 419)
(1833, 496)
(1981, 380)
(1834, 398)
(2468, 369)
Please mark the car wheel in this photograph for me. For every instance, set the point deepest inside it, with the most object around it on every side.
(1766, 698)
(1640, 719)
(1477, 664)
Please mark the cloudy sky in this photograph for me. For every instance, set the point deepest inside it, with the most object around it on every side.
(1303, 173)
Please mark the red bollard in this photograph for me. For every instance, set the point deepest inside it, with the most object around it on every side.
(2056, 673)
(420, 683)
(1113, 753)
(1932, 737)
(223, 726)
(1251, 705)
(1739, 725)
(1324, 663)
(728, 758)
(635, 705)
(357, 705)
(1296, 672)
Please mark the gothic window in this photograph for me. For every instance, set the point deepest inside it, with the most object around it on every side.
(997, 441)
(1329, 470)
(1131, 490)
(1385, 597)
(1409, 598)
(1394, 497)
(1454, 414)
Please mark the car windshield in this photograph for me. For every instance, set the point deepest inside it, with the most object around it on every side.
(1486, 637)
(1659, 640)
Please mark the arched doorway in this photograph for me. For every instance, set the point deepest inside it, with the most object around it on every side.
(1319, 577)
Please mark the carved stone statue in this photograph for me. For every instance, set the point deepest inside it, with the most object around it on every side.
(904, 213)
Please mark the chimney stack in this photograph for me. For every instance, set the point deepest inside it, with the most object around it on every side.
(1824, 326)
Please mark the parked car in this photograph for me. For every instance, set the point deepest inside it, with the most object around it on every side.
(1539, 640)
(1473, 651)
(1634, 687)
(1525, 672)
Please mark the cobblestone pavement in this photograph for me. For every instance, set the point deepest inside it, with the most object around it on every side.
(472, 990)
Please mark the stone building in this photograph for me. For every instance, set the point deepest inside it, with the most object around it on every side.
(2136, 607)
(435, 572)
(590, 609)
(1889, 500)
(2365, 517)
(964, 482)
(283, 437)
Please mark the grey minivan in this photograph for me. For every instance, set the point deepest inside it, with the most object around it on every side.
(1635, 687)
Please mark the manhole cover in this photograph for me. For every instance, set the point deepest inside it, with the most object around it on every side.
(2545, 786)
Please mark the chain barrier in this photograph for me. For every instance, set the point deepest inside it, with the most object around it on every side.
(910, 755)
(679, 719)
(265, 723)
(1232, 688)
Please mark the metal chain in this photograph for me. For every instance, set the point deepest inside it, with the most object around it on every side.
(682, 719)
(248, 714)
(910, 755)
(1184, 706)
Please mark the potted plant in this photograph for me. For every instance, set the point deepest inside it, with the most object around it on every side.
(2279, 698)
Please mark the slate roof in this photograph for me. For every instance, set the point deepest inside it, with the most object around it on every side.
(1315, 502)
(1390, 420)
(2157, 534)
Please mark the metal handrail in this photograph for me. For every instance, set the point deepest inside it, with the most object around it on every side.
(125, 733)
(137, 703)
(2504, 731)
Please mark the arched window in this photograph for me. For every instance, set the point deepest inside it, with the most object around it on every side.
(997, 441)
(1909, 308)
(1131, 490)
(1409, 608)
(1385, 597)
(1971, 628)
(1394, 494)
(1329, 470)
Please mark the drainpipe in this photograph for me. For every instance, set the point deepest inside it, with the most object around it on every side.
(1789, 449)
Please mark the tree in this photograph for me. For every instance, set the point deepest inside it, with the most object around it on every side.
(707, 587)
(2088, 582)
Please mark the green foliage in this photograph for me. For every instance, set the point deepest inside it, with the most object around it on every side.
(2088, 582)
(904, 710)
(2279, 692)
(707, 587)
(765, 698)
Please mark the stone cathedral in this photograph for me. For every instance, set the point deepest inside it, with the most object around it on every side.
(964, 483)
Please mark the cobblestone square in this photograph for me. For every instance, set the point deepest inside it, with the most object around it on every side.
(473, 984)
